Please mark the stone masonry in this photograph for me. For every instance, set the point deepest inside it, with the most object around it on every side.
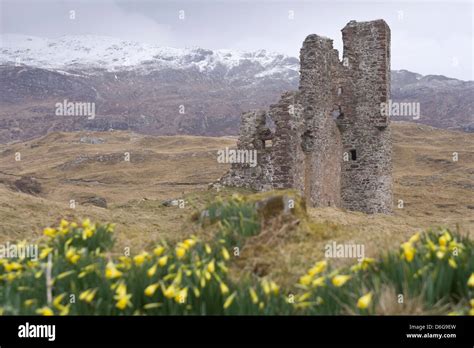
(329, 140)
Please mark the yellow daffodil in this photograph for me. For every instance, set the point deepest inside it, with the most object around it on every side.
(63, 223)
(140, 258)
(318, 268)
(189, 243)
(415, 238)
(151, 289)
(159, 250)
(440, 254)
(306, 279)
(57, 301)
(447, 236)
(303, 305)
(152, 305)
(162, 261)
(408, 251)
(152, 270)
(45, 252)
(253, 295)
(364, 301)
(453, 245)
(181, 296)
(362, 265)
(225, 254)
(442, 240)
(207, 275)
(12, 266)
(50, 232)
(111, 272)
(123, 299)
(30, 302)
(64, 310)
(32, 263)
(65, 274)
(196, 291)
(207, 248)
(366, 261)
(470, 282)
(452, 263)
(320, 281)
(179, 277)
(110, 228)
(274, 288)
(211, 267)
(169, 292)
(180, 252)
(45, 311)
(229, 300)
(86, 223)
(87, 233)
(12, 276)
(224, 288)
(304, 297)
(431, 245)
(72, 256)
(340, 280)
(266, 287)
(86, 270)
(88, 295)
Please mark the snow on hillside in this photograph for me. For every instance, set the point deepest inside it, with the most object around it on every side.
(88, 52)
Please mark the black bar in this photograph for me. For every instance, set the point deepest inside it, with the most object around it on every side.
(351, 330)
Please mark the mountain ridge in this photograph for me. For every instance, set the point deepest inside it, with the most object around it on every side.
(166, 91)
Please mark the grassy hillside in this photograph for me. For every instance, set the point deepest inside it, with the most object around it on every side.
(436, 192)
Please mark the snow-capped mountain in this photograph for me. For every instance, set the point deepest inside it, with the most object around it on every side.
(164, 91)
(136, 86)
(88, 53)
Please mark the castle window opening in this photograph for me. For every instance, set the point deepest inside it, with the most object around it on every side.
(353, 155)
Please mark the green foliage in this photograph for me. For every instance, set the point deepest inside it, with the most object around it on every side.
(235, 218)
(75, 274)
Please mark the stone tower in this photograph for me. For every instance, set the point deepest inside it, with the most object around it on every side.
(329, 140)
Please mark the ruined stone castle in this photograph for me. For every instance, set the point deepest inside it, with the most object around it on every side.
(329, 140)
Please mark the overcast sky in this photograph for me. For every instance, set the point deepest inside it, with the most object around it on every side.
(427, 37)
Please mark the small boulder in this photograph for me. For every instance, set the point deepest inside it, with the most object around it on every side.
(170, 202)
(92, 140)
(29, 185)
(100, 202)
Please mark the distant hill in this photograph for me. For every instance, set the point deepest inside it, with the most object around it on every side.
(444, 102)
(165, 91)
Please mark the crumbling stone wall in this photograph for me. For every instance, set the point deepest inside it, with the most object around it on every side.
(286, 151)
(253, 135)
(366, 182)
(321, 139)
(330, 140)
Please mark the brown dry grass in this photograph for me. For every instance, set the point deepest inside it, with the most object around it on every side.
(436, 191)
